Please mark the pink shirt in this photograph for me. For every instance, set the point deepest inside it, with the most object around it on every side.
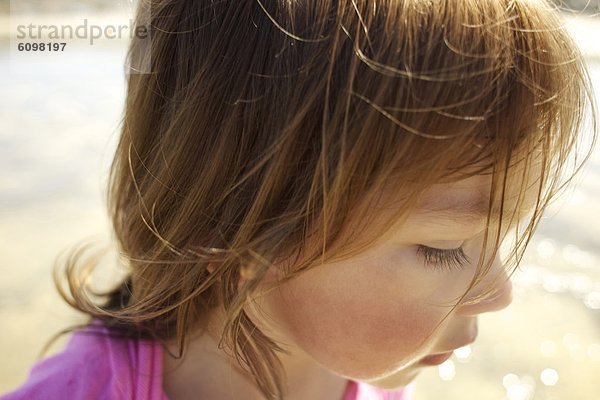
(100, 367)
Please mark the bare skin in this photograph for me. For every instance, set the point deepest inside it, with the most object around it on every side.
(371, 318)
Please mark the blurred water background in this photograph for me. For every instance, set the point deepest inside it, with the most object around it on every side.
(59, 121)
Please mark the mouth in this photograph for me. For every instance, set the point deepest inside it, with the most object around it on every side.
(440, 358)
(436, 359)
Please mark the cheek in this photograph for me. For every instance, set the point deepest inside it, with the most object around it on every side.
(358, 328)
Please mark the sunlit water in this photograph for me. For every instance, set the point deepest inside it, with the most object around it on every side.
(57, 132)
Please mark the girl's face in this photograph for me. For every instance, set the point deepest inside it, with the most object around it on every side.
(374, 317)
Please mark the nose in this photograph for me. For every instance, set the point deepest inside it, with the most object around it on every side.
(497, 298)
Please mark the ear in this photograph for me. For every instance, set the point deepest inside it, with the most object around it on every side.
(211, 268)
(243, 274)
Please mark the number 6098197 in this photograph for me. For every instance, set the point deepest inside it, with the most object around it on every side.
(41, 46)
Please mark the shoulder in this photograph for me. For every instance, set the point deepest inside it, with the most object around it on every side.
(98, 365)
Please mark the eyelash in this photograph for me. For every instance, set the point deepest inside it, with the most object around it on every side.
(446, 259)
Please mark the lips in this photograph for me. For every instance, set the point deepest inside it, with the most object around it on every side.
(439, 358)
(436, 359)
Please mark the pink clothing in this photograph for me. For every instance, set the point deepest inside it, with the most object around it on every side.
(362, 391)
(96, 366)
(100, 367)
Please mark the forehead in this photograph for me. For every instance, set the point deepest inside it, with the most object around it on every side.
(459, 207)
(468, 201)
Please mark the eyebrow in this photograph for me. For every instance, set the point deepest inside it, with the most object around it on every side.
(464, 211)
(461, 210)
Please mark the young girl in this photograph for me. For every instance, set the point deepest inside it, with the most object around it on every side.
(309, 196)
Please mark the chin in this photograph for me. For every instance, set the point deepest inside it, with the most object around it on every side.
(397, 380)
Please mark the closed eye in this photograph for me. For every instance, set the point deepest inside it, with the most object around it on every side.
(443, 259)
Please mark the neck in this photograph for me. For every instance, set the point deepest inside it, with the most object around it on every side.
(205, 371)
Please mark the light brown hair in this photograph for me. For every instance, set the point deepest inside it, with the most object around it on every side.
(266, 127)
